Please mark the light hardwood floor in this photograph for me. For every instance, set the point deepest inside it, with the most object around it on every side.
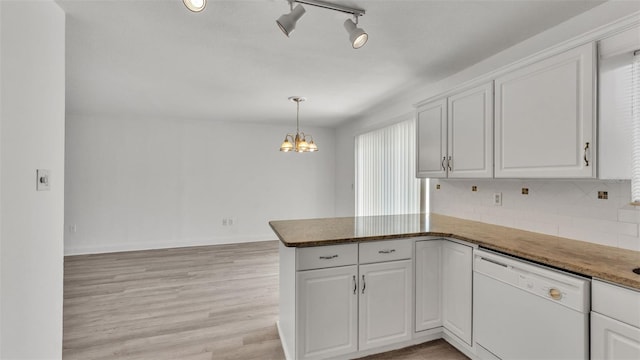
(210, 302)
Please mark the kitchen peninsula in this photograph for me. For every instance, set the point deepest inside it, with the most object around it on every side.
(603, 262)
(341, 265)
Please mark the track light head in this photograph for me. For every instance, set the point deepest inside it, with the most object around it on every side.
(195, 5)
(287, 22)
(357, 36)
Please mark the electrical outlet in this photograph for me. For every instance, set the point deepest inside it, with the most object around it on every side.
(525, 191)
(230, 221)
(497, 199)
(603, 195)
(474, 188)
(437, 186)
(225, 221)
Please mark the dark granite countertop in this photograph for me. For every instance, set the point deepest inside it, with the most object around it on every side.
(598, 261)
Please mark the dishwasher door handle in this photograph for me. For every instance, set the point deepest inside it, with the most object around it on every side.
(494, 262)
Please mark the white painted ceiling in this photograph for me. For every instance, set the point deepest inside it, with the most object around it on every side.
(154, 58)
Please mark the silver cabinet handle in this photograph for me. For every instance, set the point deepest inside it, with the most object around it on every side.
(328, 257)
(364, 284)
(387, 251)
(586, 148)
(450, 163)
(355, 285)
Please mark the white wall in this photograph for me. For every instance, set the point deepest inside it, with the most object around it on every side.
(31, 136)
(140, 183)
(619, 220)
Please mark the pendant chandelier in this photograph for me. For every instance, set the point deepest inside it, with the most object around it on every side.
(298, 142)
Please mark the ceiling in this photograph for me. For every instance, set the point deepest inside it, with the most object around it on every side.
(154, 58)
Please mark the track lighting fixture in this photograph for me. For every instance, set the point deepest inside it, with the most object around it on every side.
(357, 36)
(298, 143)
(195, 5)
(287, 22)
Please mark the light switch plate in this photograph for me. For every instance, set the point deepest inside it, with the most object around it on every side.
(42, 180)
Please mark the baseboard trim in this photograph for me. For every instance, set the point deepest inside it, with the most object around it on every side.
(461, 346)
(283, 342)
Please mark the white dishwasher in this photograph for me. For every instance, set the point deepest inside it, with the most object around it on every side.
(526, 311)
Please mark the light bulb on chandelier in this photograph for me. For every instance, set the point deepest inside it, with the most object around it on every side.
(298, 142)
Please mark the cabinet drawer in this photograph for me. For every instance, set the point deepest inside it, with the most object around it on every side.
(377, 251)
(616, 302)
(319, 257)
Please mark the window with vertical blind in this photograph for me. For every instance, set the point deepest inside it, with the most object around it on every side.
(385, 171)
(635, 121)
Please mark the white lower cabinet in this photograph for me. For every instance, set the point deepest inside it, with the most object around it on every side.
(613, 340)
(457, 275)
(385, 303)
(428, 284)
(327, 312)
(444, 273)
(615, 322)
(340, 300)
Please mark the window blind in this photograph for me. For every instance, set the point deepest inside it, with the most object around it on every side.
(635, 139)
(385, 171)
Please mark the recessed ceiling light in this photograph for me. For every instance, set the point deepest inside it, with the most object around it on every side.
(195, 5)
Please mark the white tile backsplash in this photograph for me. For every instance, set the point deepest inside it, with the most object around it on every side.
(566, 208)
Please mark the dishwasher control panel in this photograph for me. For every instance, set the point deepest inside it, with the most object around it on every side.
(563, 288)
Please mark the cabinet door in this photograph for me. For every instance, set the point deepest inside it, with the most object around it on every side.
(470, 133)
(428, 284)
(327, 317)
(431, 132)
(457, 273)
(385, 303)
(613, 340)
(544, 118)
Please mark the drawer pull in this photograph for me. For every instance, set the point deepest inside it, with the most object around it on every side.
(364, 284)
(355, 285)
(328, 257)
(387, 251)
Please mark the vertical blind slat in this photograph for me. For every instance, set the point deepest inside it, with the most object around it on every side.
(385, 177)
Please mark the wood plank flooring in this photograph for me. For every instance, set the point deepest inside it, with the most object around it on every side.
(210, 302)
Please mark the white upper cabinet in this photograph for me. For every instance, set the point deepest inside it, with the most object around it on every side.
(544, 118)
(455, 135)
(470, 130)
(615, 94)
(431, 130)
